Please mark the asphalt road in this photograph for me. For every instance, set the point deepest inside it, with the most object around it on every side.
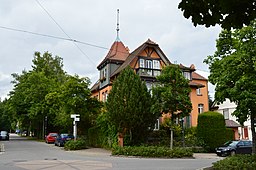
(22, 154)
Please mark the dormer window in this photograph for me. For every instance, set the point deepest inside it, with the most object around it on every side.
(187, 75)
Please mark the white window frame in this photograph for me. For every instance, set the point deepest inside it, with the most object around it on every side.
(156, 64)
(149, 66)
(226, 113)
(200, 108)
(142, 63)
(187, 75)
(198, 91)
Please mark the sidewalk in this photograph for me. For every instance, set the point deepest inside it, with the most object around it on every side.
(207, 156)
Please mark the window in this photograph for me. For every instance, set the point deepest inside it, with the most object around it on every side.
(105, 73)
(156, 64)
(198, 91)
(149, 66)
(200, 108)
(142, 64)
(226, 113)
(106, 95)
(187, 75)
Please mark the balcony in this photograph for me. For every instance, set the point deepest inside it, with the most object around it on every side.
(146, 72)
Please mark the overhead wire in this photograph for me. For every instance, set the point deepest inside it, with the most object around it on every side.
(64, 31)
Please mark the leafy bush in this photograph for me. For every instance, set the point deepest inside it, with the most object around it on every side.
(236, 162)
(75, 145)
(152, 151)
(211, 129)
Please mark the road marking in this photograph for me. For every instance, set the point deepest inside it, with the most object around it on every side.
(64, 165)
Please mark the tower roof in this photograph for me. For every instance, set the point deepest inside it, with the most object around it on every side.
(117, 52)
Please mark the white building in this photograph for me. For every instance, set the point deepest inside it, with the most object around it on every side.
(227, 108)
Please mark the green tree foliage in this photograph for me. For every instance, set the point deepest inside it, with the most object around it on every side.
(5, 118)
(232, 71)
(73, 97)
(227, 13)
(171, 95)
(128, 106)
(46, 96)
(214, 135)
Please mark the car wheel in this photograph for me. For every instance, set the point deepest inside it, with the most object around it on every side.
(232, 153)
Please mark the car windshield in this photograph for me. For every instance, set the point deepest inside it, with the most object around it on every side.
(3, 132)
(231, 143)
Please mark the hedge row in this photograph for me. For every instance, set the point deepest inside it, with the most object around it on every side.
(152, 151)
(236, 162)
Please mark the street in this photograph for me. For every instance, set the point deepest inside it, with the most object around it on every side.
(23, 154)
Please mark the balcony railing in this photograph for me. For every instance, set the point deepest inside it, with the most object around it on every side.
(148, 72)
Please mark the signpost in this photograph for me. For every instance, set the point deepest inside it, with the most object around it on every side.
(76, 118)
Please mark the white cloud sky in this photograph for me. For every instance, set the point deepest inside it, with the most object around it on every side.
(95, 22)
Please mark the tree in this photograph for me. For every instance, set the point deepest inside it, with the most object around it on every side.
(171, 95)
(233, 72)
(128, 106)
(73, 97)
(227, 13)
(30, 89)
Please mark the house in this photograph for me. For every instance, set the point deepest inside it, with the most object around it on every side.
(147, 61)
(227, 108)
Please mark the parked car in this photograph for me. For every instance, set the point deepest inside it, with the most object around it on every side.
(235, 147)
(4, 135)
(61, 139)
(50, 138)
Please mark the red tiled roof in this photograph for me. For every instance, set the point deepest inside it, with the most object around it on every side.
(117, 52)
(197, 76)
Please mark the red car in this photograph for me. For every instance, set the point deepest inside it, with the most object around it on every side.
(50, 138)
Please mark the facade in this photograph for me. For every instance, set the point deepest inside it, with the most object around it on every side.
(241, 132)
(147, 61)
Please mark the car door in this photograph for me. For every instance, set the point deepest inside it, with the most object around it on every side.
(240, 148)
(247, 147)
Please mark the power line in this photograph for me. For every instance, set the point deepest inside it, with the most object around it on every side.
(52, 36)
(63, 31)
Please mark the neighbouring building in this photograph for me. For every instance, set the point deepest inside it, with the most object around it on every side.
(147, 61)
(226, 109)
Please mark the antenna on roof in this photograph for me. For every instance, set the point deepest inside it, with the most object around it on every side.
(117, 28)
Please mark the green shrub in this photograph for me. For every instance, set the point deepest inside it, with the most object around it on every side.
(75, 145)
(211, 130)
(237, 162)
(152, 151)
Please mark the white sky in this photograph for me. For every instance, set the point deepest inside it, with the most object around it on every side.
(94, 22)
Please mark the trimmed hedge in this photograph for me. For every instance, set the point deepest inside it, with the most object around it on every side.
(75, 144)
(211, 129)
(236, 162)
(152, 151)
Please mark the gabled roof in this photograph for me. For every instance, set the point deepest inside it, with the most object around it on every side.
(117, 52)
(197, 76)
(137, 51)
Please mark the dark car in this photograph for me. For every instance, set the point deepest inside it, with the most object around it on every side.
(235, 147)
(50, 138)
(4, 135)
(62, 139)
